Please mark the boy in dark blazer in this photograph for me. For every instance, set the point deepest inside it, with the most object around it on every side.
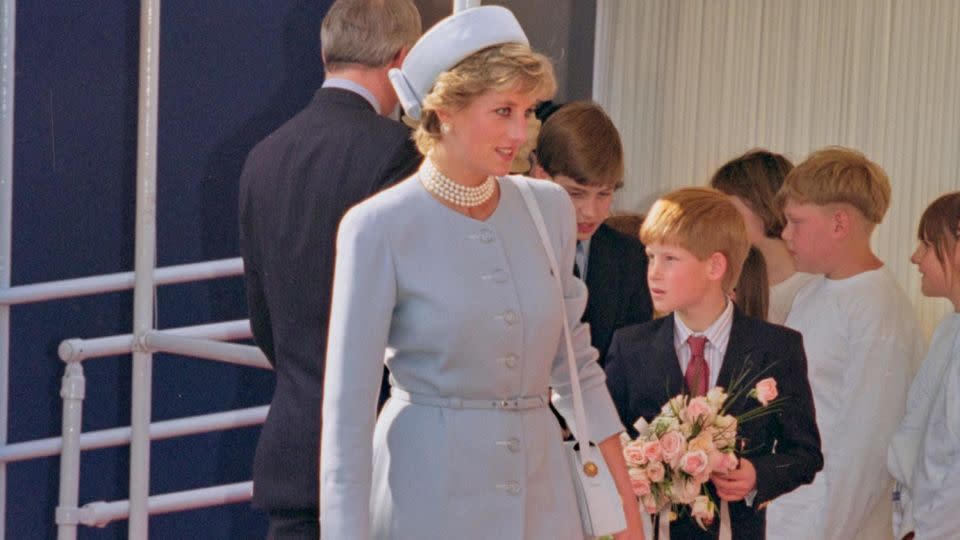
(696, 243)
(579, 148)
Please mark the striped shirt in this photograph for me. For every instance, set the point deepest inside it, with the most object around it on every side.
(718, 336)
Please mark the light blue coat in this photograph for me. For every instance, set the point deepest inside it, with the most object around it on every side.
(473, 312)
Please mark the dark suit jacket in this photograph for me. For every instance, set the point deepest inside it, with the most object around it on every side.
(295, 186)
(617, 284)
(643, 372)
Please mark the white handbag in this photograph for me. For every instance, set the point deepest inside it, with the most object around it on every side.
(601, 509)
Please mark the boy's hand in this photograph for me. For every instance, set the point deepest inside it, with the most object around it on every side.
(734, 485)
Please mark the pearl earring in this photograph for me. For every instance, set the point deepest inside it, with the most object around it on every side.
(445, 128)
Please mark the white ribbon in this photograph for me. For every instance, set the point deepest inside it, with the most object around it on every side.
(664, 529)
(725, 533)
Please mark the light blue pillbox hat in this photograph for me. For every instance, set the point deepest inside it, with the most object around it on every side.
(445, 45)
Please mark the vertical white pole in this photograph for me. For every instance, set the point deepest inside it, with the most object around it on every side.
(8, 16)
(72, 390)
(460, 5)
(144, 265)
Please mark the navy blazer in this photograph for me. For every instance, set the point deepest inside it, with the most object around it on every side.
(643, 373)
(295, 186)
(617, 282)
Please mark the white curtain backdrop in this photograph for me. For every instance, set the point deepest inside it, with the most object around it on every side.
(693, 83)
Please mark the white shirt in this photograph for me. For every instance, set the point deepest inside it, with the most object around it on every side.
(924, 455)
(583, 257)
(356, 88)
(718, 336)
(861, 338)
(782, 295)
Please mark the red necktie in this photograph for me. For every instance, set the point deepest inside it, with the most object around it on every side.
(698, 373)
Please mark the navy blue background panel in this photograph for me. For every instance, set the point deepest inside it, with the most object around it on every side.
(230, 73)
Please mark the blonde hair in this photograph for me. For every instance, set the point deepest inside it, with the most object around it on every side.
(839, 175)
(500, 68)
(579, 141)
(940, 228)
(702, 221)
(367, 32)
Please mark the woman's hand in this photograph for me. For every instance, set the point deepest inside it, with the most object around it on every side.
(612, 453)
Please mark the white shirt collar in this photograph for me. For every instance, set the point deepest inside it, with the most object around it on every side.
(357, 88)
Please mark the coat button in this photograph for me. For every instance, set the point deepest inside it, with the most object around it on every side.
(512, 444)
(510, 317)
(510, 360)
(499, 276)
(511, 487)
(486, 236)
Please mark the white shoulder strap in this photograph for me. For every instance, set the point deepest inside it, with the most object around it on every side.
(582, 431)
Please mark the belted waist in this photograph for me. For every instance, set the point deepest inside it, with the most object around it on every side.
(512, 404)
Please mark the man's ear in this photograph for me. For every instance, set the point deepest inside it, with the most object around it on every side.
(716, 266)
(398, 58)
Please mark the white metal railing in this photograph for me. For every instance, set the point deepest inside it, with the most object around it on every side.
(242, 355)
(203, 341)
(100, 513)
(145, 252)
(76, 349)
(8, 26)
(167, 429)
(121, 281)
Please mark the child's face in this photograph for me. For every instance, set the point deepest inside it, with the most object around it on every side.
(591, 202)
(808, 235)
(677, 279)
(933, 280)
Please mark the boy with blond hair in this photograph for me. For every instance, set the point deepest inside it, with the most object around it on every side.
(696, 242)
(862, 340)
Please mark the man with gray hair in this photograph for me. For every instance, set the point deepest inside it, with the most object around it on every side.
(295, 186)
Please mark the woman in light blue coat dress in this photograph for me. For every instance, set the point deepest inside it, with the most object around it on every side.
(447, 269)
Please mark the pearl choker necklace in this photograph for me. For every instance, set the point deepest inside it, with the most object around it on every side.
(443, 187)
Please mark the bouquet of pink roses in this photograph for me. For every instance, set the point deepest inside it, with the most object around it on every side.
(675, 454)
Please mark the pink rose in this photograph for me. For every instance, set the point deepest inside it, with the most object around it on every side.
(703, 441)
(649, 503)
(639, 482)
(716, 396)
(672, 445)
(698, 408)
(694, 463)
(685, 491)
(674, 406)
(766, 390)
(656, 471)
(633, 454)
(651, 450)
(726, 431)
(702, 510)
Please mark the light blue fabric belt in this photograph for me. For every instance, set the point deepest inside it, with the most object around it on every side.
(513, 404)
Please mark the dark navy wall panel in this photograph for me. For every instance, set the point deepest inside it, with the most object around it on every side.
(230, 72)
